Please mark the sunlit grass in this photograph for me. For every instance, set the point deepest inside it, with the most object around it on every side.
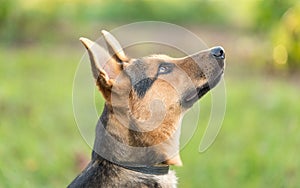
(38, 133)
(257, 145)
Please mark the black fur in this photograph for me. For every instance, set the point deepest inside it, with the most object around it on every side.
(142, 86)
(139, 79)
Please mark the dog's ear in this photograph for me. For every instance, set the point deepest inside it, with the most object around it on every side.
(114, 48)
(104, 68)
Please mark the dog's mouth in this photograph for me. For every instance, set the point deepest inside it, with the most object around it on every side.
(192, 96)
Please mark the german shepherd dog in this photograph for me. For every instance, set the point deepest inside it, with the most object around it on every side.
(137, 135)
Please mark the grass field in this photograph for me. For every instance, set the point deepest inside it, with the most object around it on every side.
(258, 145)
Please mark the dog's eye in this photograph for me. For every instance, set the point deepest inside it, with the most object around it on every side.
(165, 68)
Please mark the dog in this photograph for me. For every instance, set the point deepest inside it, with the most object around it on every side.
(137, 135)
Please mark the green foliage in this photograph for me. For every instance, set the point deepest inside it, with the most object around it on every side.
(4, 10)
(170, 11)
(280, 22)
(24, 23)
(286, 37)
(268, 13)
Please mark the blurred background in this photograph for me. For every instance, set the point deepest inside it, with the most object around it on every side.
(258, 145)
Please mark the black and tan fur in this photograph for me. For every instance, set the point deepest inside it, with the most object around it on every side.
(146, 99)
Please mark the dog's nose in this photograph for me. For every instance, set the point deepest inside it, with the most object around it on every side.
(218, 52)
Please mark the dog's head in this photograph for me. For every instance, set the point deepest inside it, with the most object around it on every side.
(149, 95)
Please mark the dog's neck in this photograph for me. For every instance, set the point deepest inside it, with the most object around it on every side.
(119, 144)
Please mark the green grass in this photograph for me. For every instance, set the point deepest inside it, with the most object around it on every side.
(39, 140)
(38, 132)
(258, 143)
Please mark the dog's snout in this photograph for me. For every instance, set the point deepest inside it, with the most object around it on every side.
(218, 52)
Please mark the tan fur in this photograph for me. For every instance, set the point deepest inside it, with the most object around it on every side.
(151, 129)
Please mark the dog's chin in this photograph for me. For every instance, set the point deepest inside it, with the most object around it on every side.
(193, 96)
(175, 161)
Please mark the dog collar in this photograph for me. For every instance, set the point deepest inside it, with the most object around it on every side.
(158, 169)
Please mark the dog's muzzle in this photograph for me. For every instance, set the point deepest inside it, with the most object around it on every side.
(191, 97)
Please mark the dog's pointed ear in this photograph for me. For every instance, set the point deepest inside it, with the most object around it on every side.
(95, 51)
(103, 70)
(114, 48)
